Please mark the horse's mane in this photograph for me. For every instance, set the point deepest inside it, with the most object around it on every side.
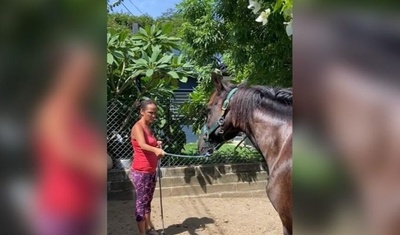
(265, 93)
(247, 99)
(284, 95)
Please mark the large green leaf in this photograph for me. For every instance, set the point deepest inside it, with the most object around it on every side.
(146, 46)
(162, 37)
(187, 65)
(108, 36)
(162, 66)
(143, 32)
(149, 72)
(153, 29)
(135, 49)
(123, 35)
(110, 58)
(158, 33)
(173, 39)
(113, 40)
(179, 61)
(118, 54)
(136, 73)
(142, 62)
(165, 59)
(173, 74)
(145, 56)
(139, 37)
(183, 79)
(156, 52)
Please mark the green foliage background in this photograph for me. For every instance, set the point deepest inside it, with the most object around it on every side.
(206, 32)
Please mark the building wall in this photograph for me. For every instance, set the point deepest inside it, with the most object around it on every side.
(181, 96)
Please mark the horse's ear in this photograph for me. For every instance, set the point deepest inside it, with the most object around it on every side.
(216, 79)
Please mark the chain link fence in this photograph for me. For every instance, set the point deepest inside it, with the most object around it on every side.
(176, 134)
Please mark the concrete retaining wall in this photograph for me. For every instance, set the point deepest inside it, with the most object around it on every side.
(245, 179)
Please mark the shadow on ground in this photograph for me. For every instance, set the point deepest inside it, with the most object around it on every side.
(191, 225)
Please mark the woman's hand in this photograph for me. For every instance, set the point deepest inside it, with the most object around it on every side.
(160, 153)
(159, 144)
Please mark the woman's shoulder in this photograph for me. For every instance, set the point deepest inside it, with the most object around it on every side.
(137, 125)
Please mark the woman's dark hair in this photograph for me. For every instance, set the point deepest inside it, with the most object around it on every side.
(141, 105)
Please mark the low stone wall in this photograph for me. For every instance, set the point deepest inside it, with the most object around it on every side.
(244, 179)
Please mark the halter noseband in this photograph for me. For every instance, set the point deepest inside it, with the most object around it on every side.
(221, 120)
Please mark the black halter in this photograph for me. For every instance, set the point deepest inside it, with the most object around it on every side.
(208, 131)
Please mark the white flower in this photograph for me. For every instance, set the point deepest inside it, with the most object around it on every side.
(255, 6)
(289, 29)
(264, 16)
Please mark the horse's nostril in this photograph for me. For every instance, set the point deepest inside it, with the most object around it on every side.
(202, 149)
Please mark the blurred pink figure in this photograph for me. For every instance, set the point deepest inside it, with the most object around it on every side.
(71, 154)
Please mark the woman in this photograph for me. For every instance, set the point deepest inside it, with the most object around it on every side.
(70, 150)
(147, 152)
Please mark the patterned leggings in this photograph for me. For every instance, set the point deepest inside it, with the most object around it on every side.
(145, 184)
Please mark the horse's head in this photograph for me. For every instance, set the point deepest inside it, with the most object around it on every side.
(218, 127)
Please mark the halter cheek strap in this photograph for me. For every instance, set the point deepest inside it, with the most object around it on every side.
(221, 120)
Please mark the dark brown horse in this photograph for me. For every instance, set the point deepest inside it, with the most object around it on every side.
(264, 114)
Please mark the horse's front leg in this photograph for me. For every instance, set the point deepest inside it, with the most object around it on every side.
(280, 195)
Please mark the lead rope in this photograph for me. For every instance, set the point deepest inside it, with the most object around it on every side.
(206, 155)
(189, 156)
(161, 205)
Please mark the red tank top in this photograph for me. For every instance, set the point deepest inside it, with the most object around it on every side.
(63, 189)
(144, 161)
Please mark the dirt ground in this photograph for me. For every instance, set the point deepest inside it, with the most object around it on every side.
(200, 216)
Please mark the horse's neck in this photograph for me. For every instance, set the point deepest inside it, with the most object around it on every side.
(270, 135)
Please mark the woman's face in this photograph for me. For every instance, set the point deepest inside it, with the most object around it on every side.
(149, 113)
